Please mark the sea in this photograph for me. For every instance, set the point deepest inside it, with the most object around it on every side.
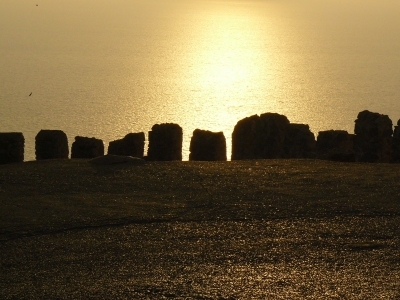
(102, 68)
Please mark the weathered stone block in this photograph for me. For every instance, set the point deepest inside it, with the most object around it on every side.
(207, 146)
(335, 145)
(260, 137)
(246, 138)
(11, 147)
(85, 147)
(51, 144)
(165, 142)
(299, 141)
(271, 135)
(373, 137)
(131, 145)
(274, 131)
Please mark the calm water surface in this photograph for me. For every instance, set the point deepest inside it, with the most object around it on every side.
(106, 68)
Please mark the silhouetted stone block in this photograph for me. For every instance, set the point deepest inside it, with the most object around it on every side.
(373, 137)
(259, 137)
(51, 144)
(246, 138)
(11, 147)
(396, 143)
(335, 145)
(131, 145)
(299, 142)
(271, 135)
(165, 142)
(85, 147)
(207, 146)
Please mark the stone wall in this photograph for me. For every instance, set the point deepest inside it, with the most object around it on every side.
(11, 147)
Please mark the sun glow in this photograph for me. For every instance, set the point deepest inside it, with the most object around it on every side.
(225, 58)
(228, 66)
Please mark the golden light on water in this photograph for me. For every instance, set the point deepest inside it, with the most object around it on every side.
(105, 69)
(229, 67)
(226, 62)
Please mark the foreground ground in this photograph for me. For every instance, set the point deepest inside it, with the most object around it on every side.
(277, 229)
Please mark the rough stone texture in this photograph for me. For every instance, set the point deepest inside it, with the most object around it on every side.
(335, 145)
(396, 143)
(51, 144)
(85, 147)
(299, 142)
(245, 138)
(259, 137)
(131, 145)
(207, 146)
(373, 137)
(165, 142)
(271, 135)
(11, 147)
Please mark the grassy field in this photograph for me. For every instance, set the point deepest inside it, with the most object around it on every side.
(47, 196)
(266, 229)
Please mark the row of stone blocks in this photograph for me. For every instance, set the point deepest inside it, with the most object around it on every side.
(273, 136)
(165, 144)
(266, 136)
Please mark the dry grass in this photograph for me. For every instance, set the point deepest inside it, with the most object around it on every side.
(48, 196)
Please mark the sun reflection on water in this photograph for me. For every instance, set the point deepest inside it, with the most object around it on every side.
(228, 68)
(105, 69)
